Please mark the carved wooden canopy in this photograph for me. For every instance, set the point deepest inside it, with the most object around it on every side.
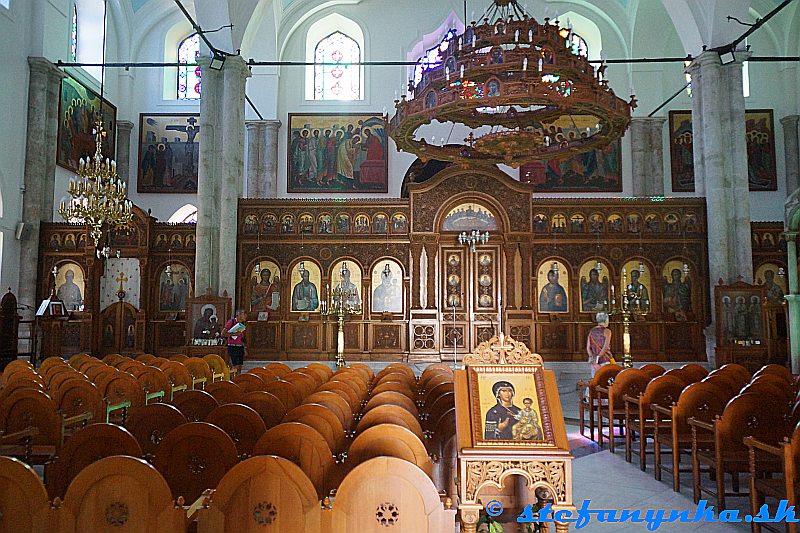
(502, 350)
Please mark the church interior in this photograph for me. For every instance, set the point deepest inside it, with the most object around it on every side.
(358, 265)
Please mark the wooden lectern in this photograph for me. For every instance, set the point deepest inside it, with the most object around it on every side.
(510, 423)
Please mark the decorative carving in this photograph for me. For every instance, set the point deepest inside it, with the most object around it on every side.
(424, 337)
(449, 331)
(117, 514)
(503, 350)
(265, 513)
(522, 333)
(554, 337)
(156, 437)
(387, 515)
(386, 337)
(196, 465)
(304, 337)
(482, 472)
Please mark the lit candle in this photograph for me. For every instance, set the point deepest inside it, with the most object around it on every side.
(516, 36)
(462, 71)
(447, 73)
(540, 64)
(525, 64)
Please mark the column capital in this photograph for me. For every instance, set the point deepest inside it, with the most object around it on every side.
(41, 65)
(791, 236)
(125, 126)
(259, 124)
(649, 121)
(790, 121)
(238, 65)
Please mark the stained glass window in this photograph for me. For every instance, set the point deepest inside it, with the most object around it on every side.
(188, 76)
(575, 43)
(73, 44)
(335, 75)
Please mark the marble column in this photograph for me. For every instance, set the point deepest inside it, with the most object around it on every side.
(416, 275)
(207, 230)
(647, 156)
(44, 90)
(124, 130)
(793, 300)
(791, 144)
(262, 158)
(430, 250)
(526, 251)
(509, 298)
(235, 74)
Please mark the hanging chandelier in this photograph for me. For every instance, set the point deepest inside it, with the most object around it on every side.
(526, 90)
(99, 197)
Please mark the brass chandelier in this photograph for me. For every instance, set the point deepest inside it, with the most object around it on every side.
(531, 84)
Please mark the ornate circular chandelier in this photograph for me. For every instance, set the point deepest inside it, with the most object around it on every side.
(527, 88)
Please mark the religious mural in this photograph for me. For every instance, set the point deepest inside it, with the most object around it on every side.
(594, 285)
(741, 315)
(552, 278)
(676, 297)
(121, 275)
(592, 171)
(77, 114)
(169, 153)
(337, 153)
(387, 287)
(265, 289)
(468, 217)
(773, 278)
(175, 286)
(70, 286)
(208, 324)
(305, 281)
(635, 282)
(761, 163)
(347, 275)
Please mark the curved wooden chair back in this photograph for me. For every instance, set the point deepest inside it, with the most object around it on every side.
(652, 370)
(83, 448)
(392, 398)
(198, 368)
(394, 367)
(78, 396)
(629, 382)
(128, 365)
(267, 376)
(752, 415)
(20, 384)
(77, 359)
(286, 392)
(434, 381)
(153, 380)
(112, 358)
(23, 499)
(323, 371)
(225, 392)
(218, 365)
(739, 370)
(194, 404)
(54, 370)
(663, 391)
(727, 383)
(178, 358)
(336, 404)
(124, 387)
(51, 361)
(177, 375)
(323, 420)
(304, 383)
(85, 364)
(390, 414)
(242, 424)
(680, 374)
(193, 457)
(364, 370)
(317, 376)
(395, 386)
(435, 368)
(151, 423)
(287, 500)
(389, 440)
(250, 382)
(694, 371)
(604, 375)
(59, 380)
(27, 408)
(158, 361)
(703, 401)
(99, 373)
(378, 492)
(444, 429)
(145, 358)
(443, 403)
(17, 365)
(777, 370)
(439, 390)
(279, 369)
(346, 390)
(305, 447)
(267, 405)
(769, 388)
(121, 493)
(776, 379)
(396, 375)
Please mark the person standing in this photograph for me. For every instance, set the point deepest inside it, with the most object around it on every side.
(234, 331)
(598, 343)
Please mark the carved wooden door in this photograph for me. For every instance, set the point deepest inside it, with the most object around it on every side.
(122, 329)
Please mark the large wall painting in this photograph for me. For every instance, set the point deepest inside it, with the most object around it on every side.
(336, 153)
(468, 217)
(169, 152)
(592, 171)
(78, 109)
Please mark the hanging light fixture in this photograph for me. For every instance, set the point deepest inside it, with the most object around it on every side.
(541, 97)
(98, 198)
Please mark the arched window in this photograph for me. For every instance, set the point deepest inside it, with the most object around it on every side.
(335, 75)
(189, 76)
(5, 3)
(186, 215)
(73, 43)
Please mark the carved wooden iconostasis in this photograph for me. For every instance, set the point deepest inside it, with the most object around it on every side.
(122, 304)
(771, 270)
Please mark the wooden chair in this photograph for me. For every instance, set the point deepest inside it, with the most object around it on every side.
(727, 383)
(124, 387)
(442, 404)
(225, 392)
(268, 406)
(279, 369)
(392, 398)
(78, 396)
(630, 382)
(193, 457)
(195, 404)
(777, 370)
(30, 408)
(262, 494)
(392, 441)
(589, 400)
(390, 414)
(23, 500)
(336, 404)
(151, 423)
(738, 370)
(287, 393)
(86, 446)
(266, 375)
(671, 430)
(249, 382)
(346, 389)
(695, 371)
(389, 494)
(785, 488)
(178, 377)
(662, 390)
(305, 447)
(304, 383)
(219, 369)
(392, 367)
(242, 424)
(746, 415)
(680, 374)
(120, 494)
(395, 386)
(200, 371)
(154, 383)
(322, 370)
(323, 420)
(652, 370)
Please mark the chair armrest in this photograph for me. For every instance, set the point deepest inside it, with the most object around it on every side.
(755, 444)
(630, 399)
(17, 436)
(701, 425)
(604, 390)
(662, 410)
(201, 503)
